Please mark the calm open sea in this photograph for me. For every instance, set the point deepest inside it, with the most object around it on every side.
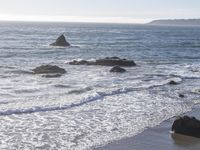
(89, 106)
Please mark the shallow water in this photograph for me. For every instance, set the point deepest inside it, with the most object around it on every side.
(159, 137)
(88, 106)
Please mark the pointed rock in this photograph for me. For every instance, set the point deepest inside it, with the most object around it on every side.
(61, 41)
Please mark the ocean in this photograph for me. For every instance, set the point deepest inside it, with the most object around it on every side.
(89, 106)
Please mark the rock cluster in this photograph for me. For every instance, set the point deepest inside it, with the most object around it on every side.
(108, 61)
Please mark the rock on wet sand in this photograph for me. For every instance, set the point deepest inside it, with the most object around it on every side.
(186, 125)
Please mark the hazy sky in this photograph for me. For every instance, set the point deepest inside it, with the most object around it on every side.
(135, 11)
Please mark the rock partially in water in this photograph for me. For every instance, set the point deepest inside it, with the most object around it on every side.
(181, 95)
(61, 41)
(108, 61)
(189, 126)
(118, 69)
(114, 61)
(173, 83)
(49, 69)
(81, 62)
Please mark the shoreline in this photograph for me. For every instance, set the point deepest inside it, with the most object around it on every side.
(158, 137)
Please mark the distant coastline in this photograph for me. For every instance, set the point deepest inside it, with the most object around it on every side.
(160, 22)
(176, 22)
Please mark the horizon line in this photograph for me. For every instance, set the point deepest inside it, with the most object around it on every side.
(86, 19)
(81, 19)
(53, 21)
(75, 22)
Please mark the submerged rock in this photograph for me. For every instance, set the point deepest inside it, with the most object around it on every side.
(108, 61)
(118, 69)
(52, 75)
(80, 91)
(189, 126)
(61, 41)
(173, 83)
(49, 69)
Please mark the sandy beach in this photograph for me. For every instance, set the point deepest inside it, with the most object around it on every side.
(158, 138)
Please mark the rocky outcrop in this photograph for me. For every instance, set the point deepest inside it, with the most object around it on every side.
(189, 126)
(108, 61)
(49, 69)
(118, 69)
(61, 41)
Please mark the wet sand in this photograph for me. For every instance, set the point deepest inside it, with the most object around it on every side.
(158, 138)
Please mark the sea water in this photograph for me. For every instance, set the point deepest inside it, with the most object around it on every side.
(89, 106)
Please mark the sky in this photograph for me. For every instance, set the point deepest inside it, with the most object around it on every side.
(119, 11)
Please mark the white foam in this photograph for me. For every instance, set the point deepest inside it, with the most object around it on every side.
(84, 127)
(88, 99)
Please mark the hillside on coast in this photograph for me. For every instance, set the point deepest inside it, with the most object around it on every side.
(176, 22)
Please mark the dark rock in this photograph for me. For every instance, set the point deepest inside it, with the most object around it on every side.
(81, 62)
(49, 69)
(114, 62)
(173, 83)
(189, 126)
(118, 69)
(108, 61)
(113, 58)
(181, 95)
(61, 41)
